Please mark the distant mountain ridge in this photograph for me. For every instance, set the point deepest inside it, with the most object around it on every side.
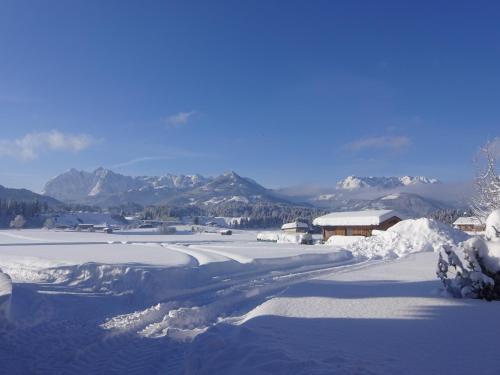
(407, 204)
(233, 193)
(24, 195)
(81, 186)
(355, 182)
(105, 187)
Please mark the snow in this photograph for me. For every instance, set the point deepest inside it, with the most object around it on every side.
(354, 182)
(489, 250)
(75, 218)
(368, 217)
(343, 241)
(268, 236)
(406, 237)
(238, 198)
(386, 318)
(391, 197)
(468, 220)
(137, 302)
(280, 237)
(493, 225)
(294, 225)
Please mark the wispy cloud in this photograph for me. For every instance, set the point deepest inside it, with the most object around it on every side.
(388, 142)
(179, 119)
(31, 145)
(174, 154)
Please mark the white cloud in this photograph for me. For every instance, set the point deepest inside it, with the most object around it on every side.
(171, 155)
(394, 143)
(33, 144)
(179, 119)
(141, 159)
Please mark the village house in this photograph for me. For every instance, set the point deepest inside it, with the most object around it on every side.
(355, 223)
(295, 227)
(469, 224)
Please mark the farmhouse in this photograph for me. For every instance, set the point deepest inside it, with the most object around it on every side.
(469, 224)
(295, 227)
(356, 223)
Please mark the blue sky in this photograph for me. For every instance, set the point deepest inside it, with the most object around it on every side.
(286, 92)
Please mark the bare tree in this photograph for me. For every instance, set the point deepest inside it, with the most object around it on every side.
(18, 222)
(487, 182)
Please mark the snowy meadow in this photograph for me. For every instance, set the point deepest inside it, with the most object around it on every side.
(137, 302)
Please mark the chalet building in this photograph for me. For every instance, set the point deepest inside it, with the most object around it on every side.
(295, 227)
(469, 224)
(356, 223)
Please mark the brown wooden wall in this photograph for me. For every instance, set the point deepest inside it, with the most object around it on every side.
(358, 230)
(471, 227)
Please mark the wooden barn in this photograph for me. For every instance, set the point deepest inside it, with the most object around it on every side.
(356, 223)
(469, 224)
(295, 227)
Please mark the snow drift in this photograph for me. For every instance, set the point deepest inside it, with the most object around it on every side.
(406, 237)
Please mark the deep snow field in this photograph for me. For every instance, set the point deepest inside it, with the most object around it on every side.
(137, 302)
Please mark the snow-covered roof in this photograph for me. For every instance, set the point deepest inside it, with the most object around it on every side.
(368, 217)
(294, 225)
(468, 220)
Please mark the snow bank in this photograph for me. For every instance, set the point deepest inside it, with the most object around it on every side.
(298, 238)
(408, 236)
(268, 236)
(343, 241)
(5, 297)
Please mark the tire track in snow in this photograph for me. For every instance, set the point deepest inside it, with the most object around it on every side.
(201, 256)
(236, 257)
(190, 319)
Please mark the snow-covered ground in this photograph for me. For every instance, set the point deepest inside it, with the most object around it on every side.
(385, 318)
(138, 302)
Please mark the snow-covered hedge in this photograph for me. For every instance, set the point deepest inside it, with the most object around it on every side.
(475, 264)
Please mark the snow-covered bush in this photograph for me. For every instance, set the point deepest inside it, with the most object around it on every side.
(475, 264)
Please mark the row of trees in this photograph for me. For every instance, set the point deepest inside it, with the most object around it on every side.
(16, 213)
(260, 215)
(11, 208)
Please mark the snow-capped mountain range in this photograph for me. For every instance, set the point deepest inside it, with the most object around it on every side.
(355, 182)
(105, 187)
(407, 204)
(78, 186)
